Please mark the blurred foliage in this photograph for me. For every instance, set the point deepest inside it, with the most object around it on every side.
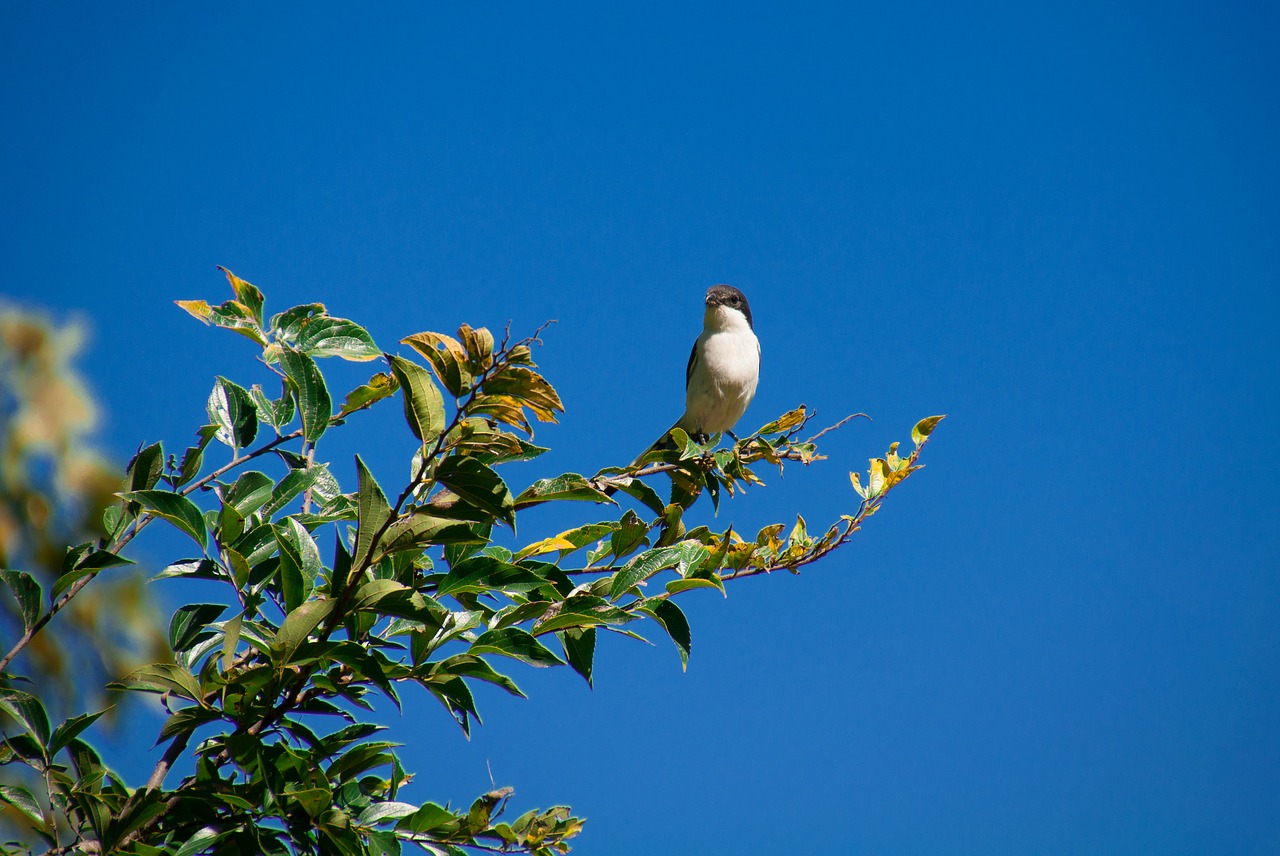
(334, 595)
(53, 490)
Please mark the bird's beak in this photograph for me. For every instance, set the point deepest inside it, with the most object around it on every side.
(711, 300)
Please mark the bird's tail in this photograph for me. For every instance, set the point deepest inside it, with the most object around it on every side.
(662, 443)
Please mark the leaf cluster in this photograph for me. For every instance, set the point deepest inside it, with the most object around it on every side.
(334, 596)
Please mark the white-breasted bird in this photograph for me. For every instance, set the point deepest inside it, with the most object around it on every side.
(724, 365)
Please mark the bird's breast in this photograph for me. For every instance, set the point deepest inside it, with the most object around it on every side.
(723, 381)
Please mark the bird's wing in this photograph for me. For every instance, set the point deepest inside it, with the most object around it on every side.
(693, 358)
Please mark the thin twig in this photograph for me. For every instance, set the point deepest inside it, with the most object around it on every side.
(839, 424)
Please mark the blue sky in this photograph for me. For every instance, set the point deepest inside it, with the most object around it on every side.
(1059, 226)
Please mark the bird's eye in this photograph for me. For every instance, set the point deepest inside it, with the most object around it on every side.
(733, 298)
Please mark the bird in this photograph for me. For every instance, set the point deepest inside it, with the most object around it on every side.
(723, 369)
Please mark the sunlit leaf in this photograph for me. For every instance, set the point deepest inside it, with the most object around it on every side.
(421, 529)
(447, 356)
(642, 567)
(423, 404)
(569, 486)
(163, 678)
(517, 644)
(297, 626)
(173, 507)
(231, 408)
(22, 800)
(251, 491)
(924, 428)
(482, 573)
(326, 336)
(313, 395)
(472, 666)
(529, 388)
(380, 386)
(479, 345)
(247, 295)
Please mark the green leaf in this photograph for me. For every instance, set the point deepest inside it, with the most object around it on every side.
(924, 428)
(517, 644)
(27, 591)
(630, 533)
(326, 336)
(278, 413)
(186, 720)
(163, 678)
(193, 458)
(90, 562)
(313, 800)
(677, 586)
(292, 485)
(372, 591)
(427, 818)
(313, 396)
(485, 573)
(188, 625)
(456, 696)
(642, 567)
(144, 470)
(580, 649)
(231, 315)
(447, 356)
(637, 489)
(202, 569)
(21, 799)
(672, 619)
(380, 386)
(288, 323)
(251, 491)
(582, 611)
(247, 295)
(478, 485)
(570, 486)
(69, 730)
(231, 408)
(381, 812)
(373, 512)
(300, 563)
(471, 666)
(423, 404)
(27, 709)
(418, 530)
(202, 839)
(173, 507)
(297, 626)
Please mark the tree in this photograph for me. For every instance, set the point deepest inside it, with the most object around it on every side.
(333, 595)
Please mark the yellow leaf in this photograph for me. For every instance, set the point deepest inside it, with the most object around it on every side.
(876, 483)
(924, 428)
(198, 309)
(546, 545)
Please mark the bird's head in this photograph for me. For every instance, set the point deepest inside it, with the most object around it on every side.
(726, 308)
